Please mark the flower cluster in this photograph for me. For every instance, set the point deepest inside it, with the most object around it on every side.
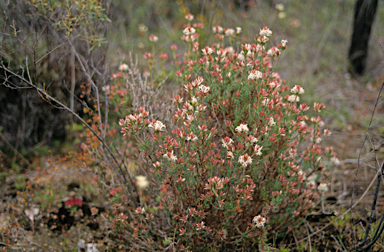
(73, 201)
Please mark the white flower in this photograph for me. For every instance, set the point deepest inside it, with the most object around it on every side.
(153, 38)
(242, 128)
(245, 160)
(229, 32)
(252, 139)
(217, 29)
(265, 102)
(284, 42)
(279, 7)
(259, 221)
(335, 160)
(323, 187)
(191, 137)
(301, 173)
(254, 74)
(31, 213)
(311, 184)
(207, 50)
(230, 155)
(123, 67)
(200, 225)
(327, 132)
(169, 155)
(142, 181)
(297, 90)
(193, 100)
(204, 89)
(190, 118)
(302, 123)
(198, 81)
(140, 210)
(238, 30)
(273, 51)
(293, 98)
(157, 126)
(265, 32)
(106, 88)
(247, 47)
(189, 31)
(258, 149)
(226, 141)
(281, 15)
(240, 56)
(271, 122)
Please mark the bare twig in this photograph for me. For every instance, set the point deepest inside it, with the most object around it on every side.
(361, 149)
(15, 150)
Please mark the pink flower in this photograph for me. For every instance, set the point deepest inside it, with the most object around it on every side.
(297, 90)
(207, 51)
(258, 149)
(318, 107)
(304, 107)
(182, 231)
(245, 160)
(229, 32)
(265, 32)
(72, 201)
(153, 38)
(327, 132)
(169, 155)
(189, 17)
(191, 137)
(273, 51)
(226, 141)
(217, 29)
(140, 210)
(200, 225)
(178, 99)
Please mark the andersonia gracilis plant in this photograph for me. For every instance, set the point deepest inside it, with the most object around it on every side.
(241, 161)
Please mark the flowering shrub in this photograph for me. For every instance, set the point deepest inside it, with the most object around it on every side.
(232, 169)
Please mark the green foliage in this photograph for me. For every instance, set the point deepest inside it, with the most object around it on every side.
(75, 17)
(3, 176)
(20, 181)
